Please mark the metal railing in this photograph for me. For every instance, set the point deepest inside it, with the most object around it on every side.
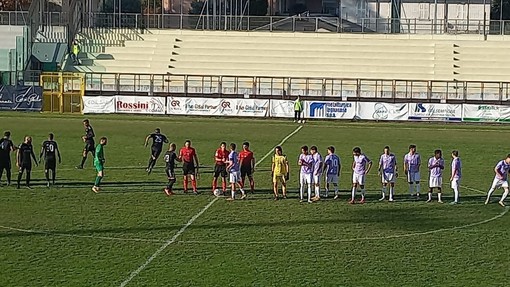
(390, 90)
(266, 23)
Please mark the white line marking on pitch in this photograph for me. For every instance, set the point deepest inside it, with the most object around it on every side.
(174, 238)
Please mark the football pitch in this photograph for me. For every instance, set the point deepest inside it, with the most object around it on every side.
(132, 234)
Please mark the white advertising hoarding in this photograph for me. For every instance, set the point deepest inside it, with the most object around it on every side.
(435, 112)
(98, 105)
(485, 113)
(140, 105)
(282, 109)
(382, 111)
(219, 107)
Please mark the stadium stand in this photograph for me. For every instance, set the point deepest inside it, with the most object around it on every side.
(329, 55)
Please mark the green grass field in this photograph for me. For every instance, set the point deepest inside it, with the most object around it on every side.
(131, 234)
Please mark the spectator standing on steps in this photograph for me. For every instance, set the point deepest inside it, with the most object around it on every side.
(298, 109)
(75, 51)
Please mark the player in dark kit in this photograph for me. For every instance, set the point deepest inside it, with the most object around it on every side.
(90, 145)
(6, 146)
(158, 139)
(170, 158)
(49, 150)
(24, 160)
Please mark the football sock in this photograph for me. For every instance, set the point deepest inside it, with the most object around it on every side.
(242, 191)
(252, 184)
(505, 194)
(490, 193)
(83, 159)
(233, 193)
(336, 188)
(224, 185)
(301, 191)
(27, 178)
(417, 188)
(20, 174)
(326, 190)
(456, 194)
(98, 181)
(309, 192)
(47, 174)
(383, 192)
(8, 172)
(411, 188)
(317, 190)
(215, 183)
(391, 192)
(353, 193)
(430, 195)
(362, 193)
(194, 184)
(185, 183)
(153, 163)
(53, 175)
(439, 196)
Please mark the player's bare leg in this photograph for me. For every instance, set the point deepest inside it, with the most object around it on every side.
(193, 183)
(275, 190)
(252, 184)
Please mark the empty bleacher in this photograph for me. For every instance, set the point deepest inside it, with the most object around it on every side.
(302, 55)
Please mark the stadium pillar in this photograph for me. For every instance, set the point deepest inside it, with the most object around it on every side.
(396, 8)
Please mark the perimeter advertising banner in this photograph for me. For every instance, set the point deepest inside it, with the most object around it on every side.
(217, 107)
(382, 111)
(282, 109)
(435, 112)
(98, 105)
(140, 105)
(329, 110)
(21, 98)
(485, 113)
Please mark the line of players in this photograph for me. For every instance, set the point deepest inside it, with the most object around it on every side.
(24, 156)
(241, 165)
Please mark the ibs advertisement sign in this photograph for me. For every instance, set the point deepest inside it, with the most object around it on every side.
(330, 110)
(435, 112)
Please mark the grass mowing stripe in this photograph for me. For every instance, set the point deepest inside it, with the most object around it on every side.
(174, 238)
(505, 211)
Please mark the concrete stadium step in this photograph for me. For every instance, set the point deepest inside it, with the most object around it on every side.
(132, 63)
(312, 61)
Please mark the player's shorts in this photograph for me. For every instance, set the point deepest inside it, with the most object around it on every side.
(5, 164)
(220, 170)
(279, 178)
(413, 176)
(99, 166)
(246, 171)
(497, 183)
(50, 163)
(25, 166)
(235, 177)
(455, 183)
(305, 178)
(89, 147)
(358, 178)
(170, 173)
(188, 168)
(435, 182)
(331, 178)
(155, 152)
(316, 179)
(388, 177)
